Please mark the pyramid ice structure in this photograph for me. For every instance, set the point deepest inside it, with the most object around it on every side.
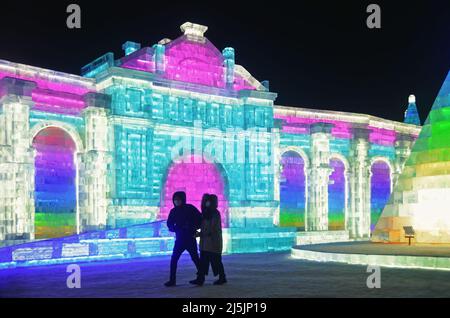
(421, 195)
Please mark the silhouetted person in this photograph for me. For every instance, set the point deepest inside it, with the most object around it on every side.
(184, 219)
(210, 242)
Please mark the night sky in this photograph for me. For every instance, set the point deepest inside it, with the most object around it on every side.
(316, 54)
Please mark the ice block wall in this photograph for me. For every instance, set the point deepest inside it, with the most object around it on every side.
(188, 100)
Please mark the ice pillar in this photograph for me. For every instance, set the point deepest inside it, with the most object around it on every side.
(359, 216)
(319, 172)
(130, 47)
(16, 161)
(228, 54)
(403, 146)
(277, 167)
(93, 164)
(159, 58)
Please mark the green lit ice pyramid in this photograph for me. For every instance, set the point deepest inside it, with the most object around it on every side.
(421, 196)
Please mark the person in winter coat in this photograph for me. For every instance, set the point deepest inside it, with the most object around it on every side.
(184, 219)
(211, 242)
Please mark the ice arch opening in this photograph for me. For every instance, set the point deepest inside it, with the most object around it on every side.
(336, 196)
(292, 191)
(380, 190)
(195, 176)
(55, 184)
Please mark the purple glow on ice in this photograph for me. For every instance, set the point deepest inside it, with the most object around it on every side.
(300, 125)
(53, 96)
(380, 190)
(62, 103)
(381, 136)
(190, 62)
(54, 85)
(195, 177)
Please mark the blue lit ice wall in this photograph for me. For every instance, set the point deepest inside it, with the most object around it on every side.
(380, 190)
(292, 191)
(336, 196)
(55, 193)
(152, 124)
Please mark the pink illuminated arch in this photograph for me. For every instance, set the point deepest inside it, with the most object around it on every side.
(195, 176)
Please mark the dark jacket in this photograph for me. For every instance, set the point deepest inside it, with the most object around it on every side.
(211, 228)
(185, 219)
(211, 233)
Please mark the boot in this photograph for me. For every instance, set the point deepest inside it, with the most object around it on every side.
(198, 281)
(220, 281)
(170, 283)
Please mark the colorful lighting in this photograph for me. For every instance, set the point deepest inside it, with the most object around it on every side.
(126, 140)
(337, 196)
(55, 193)
(292, 191)
(380, 185)
(196, 177)
(421, 195)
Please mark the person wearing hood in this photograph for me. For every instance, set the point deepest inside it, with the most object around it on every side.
(184, 219)
(211, 242)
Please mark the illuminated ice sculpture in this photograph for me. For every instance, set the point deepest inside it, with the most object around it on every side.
(421, 197)
(106, 150)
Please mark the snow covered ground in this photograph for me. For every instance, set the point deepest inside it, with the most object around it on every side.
(249, 275)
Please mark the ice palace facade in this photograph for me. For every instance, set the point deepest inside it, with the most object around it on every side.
(103, 153)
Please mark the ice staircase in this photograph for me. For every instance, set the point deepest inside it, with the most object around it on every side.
(131, 242)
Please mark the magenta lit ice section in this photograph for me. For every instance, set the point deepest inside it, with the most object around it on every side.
(51, 93)
(189, 61)
(341, 129)
(195, 177)
(300, 125)
(199, 63)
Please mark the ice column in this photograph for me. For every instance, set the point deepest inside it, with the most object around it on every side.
(93, 164)
(228, 54)
(319, 172)
(359, 218)
(130, 47)
(16, 161)
(277, 167)
(159, 58)
(403, 146)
